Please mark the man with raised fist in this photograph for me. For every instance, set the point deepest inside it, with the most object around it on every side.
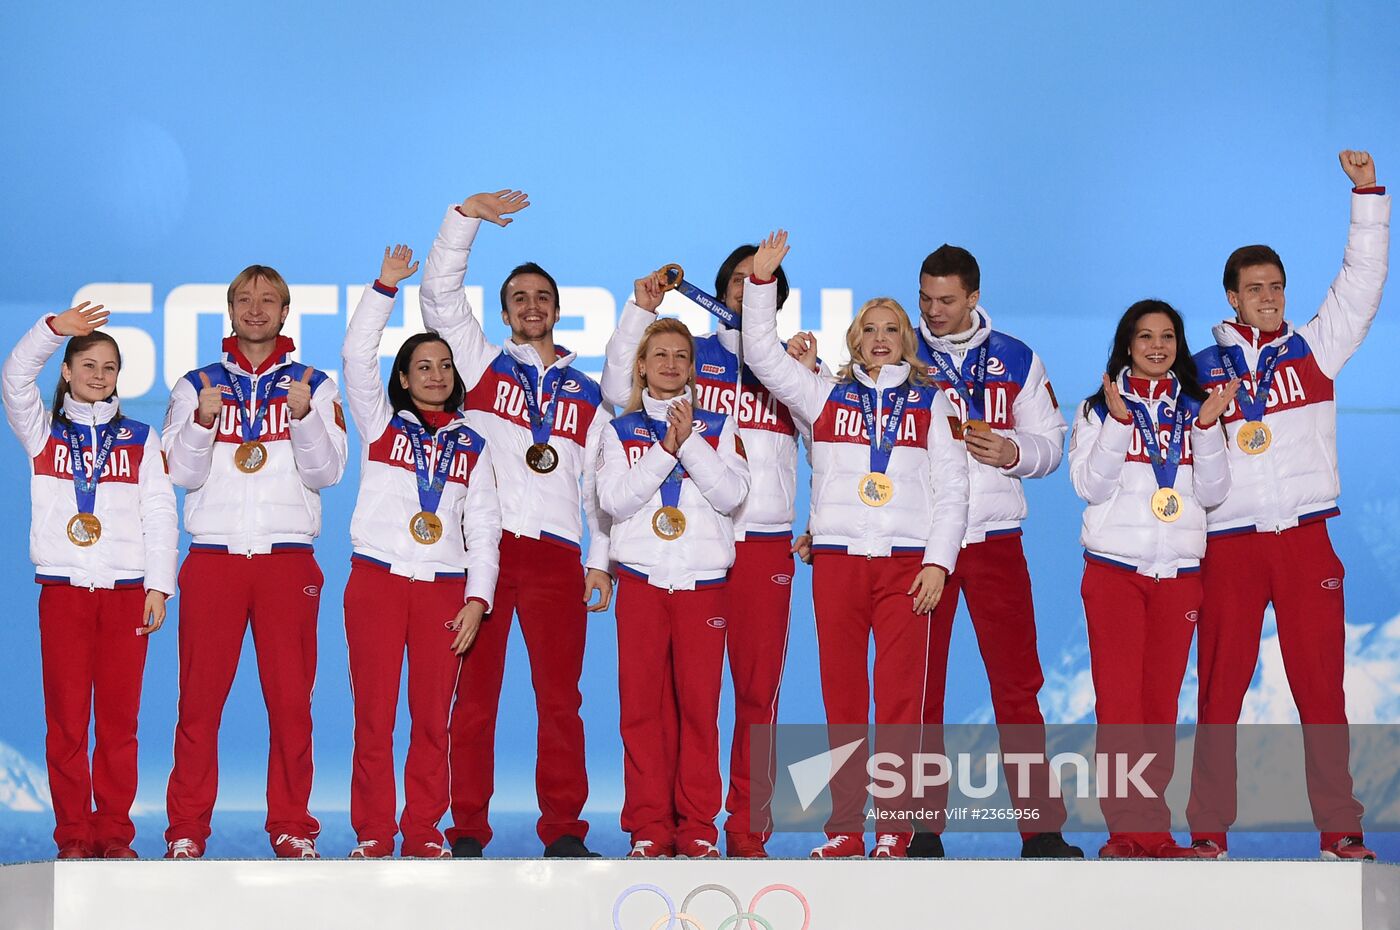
(254, 437)
(1268, 542)
(543, 419)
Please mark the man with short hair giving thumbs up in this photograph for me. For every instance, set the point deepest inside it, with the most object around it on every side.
(253, 437)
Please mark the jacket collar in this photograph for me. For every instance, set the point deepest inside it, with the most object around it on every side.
(957, 343)
(1234, 333)
(1147, 389)
(235, 359)
(84, 414)
(526, 355)
(657, 409)
(889, 376)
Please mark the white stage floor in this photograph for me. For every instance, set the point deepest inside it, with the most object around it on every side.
(582, 895)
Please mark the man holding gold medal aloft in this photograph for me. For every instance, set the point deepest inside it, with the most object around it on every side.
(1268, 540)
(543, 420)
(254, 437)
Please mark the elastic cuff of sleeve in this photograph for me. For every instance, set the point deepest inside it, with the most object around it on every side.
(1125, 422)
(936, 565)
(49, 320)
(385, 289)
(1017, 460)
(755, 279)
(1373, 189)
(478, 600)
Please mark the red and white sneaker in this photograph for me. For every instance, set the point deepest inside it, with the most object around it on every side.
(698, 849)
(841, 846)
(1209, 849)
(1349, 847)
(649, 849)
(744, 846)
(424, 851)
(890, 846)
(287, 846)
(184, 848)
(372, 849)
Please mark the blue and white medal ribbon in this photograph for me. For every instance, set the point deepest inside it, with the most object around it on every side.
(541, 456)
(675, 281)
(971, 387)
(1254, 435)
(251, 454)
(875, 488)
(84, 529)
(426, 526)
(1166, 502)
(668, 522)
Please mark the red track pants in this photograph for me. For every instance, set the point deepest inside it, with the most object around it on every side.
(760, 592)
(92, 664)
(1298, 572)
(1140, 633)
(385, 615)
(993, 577)
(542, 583)
(670, 661)
(220, 595)
(857, 597)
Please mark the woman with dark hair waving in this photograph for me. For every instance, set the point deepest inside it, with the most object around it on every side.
(889, 511)
(671, 475)
(427, 507)
(102, 538)
(1148, 456)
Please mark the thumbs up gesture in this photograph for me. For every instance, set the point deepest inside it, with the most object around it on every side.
(211, 401)
(299, 395)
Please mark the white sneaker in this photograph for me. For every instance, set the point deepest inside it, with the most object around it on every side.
(369, 849)
(184, 849)
(287, 846)
(647, 849)
(841, 846)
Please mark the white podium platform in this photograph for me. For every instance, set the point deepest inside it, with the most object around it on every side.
(581, 895)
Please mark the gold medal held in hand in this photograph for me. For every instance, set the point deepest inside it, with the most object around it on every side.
(674, 275)
(875, 489)
(84, 530)
(668, 523)
(1254, 437)
(425, 528)
(541, 458)
(977, 426)
(1166, 505)
(250, 456)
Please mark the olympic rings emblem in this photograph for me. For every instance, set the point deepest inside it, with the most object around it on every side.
(675, 919)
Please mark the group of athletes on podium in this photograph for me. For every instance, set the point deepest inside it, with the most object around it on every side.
(1208, 481)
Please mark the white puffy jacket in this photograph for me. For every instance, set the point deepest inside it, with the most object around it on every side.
(1020, 405)
(1113, 473)
(279, 505)
(135, 501)
(532, 505)
(388, 499)
(714, 482)
(1295, 480)
(766, 426)
(928, 466)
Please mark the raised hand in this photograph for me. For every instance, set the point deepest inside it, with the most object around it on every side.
(803, 347)
(80, 320)
(1359, 167)
(395, 266)
(495, 208)
(467, 623)
(648, 291)
(1114, 399)
(211, 401)
(153, 612)
(678, 422)
(299, 395)
(771, 252)
(927, 588)
(1221, 396)
(597, 580)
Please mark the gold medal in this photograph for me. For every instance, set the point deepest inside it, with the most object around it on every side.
(84, 530)
(674, 274)
(541, 458)
(250, 456)
(1166, 505)
(425, 528)
(668, 523)
(875, 489)
(977, 426)
(1254, 437)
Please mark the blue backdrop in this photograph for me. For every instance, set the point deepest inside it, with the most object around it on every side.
(1088, 154)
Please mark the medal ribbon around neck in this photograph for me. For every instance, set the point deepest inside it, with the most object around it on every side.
(1252, 403)
(881, 448)
(1164, 461)
(85, 482)
(675, 281)
(431, 480)
(971, 387)
(671, 487)
(252, 417)
(541, 420)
